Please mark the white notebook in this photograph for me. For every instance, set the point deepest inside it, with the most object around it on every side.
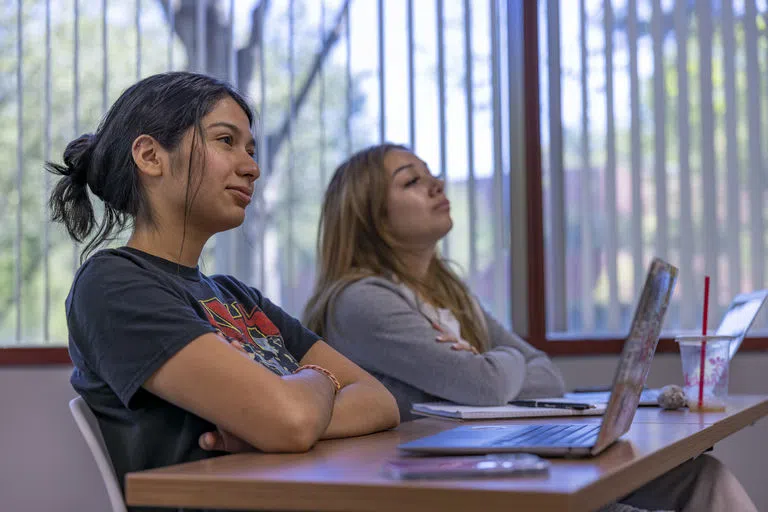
(468, 412)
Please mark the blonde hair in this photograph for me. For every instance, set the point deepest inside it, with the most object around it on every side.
(353, 243)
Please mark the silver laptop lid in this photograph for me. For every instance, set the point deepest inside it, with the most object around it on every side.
(739, 317)
(637, 354)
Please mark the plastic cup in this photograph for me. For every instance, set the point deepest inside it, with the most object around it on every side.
(716, 362)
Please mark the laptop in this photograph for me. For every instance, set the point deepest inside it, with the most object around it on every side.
(581, 439)
(736, 322)
(740, 316)
(649, 397)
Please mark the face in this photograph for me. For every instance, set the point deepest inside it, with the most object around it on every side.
(220, 193)
(418, 214)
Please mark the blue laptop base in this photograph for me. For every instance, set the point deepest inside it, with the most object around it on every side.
(552, 440)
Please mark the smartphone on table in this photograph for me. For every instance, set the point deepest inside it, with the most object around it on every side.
(513, 464)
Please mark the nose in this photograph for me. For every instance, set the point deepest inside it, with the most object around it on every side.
(249, 168)
(438, 185)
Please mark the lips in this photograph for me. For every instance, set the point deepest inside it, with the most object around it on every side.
(242, 194)
(445, 204)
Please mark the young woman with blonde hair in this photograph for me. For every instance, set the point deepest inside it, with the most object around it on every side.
(385, 299)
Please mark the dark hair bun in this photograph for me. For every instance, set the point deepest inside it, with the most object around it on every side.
(77, 158)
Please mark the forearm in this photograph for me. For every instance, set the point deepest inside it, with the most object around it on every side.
(360, 408)
(308, 402)
(311, 395)
(542, 379)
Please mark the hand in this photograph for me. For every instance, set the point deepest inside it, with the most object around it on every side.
(223, 441)
(457, 344)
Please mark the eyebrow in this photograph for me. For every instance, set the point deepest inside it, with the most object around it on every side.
(402, 168)
(410, 166)
(232, 127)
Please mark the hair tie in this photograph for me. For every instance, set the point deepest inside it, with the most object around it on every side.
(78, 176)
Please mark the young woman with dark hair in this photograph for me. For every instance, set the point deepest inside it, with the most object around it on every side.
(173, 362)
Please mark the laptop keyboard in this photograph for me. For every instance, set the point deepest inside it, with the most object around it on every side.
(551, 435)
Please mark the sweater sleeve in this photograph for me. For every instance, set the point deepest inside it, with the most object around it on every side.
(542, 377)
(379, 329)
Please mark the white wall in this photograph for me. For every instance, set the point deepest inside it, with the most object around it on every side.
(45, 465)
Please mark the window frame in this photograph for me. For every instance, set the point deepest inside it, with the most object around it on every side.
(34, 356)
(536, 274)
(537, 329)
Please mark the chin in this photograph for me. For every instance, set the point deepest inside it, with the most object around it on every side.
(236, 222)
(226, 223)
(439, 233)
(445, 229)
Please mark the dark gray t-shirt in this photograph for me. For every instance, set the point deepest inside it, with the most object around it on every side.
(128, 313)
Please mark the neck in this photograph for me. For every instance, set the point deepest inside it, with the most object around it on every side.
(417, 260)
(167, 244)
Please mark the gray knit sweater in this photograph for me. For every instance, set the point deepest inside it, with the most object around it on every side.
(381, 326)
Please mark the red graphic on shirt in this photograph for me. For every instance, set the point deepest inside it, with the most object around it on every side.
(260, 338)
(235, 322)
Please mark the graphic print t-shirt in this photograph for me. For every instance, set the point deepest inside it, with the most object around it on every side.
(128, 313)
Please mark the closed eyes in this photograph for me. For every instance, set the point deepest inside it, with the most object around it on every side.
(417, 179)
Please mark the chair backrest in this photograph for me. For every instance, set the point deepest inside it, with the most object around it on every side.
(89, 427)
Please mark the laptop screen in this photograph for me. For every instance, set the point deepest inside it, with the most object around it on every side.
(637, 355)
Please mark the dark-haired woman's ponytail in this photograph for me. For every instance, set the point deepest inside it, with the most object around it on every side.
(69, 201)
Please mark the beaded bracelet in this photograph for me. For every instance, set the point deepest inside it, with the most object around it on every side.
(320, 369)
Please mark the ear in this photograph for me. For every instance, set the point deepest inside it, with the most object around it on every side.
(149, 156)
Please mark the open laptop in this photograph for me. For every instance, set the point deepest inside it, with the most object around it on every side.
(580, 439)
(740, 316)
(736, 322)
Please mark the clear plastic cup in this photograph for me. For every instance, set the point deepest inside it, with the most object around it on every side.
(716, 362)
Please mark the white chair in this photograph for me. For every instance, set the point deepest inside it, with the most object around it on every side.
(89, 427)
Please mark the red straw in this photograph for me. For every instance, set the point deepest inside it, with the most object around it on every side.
(703, 342)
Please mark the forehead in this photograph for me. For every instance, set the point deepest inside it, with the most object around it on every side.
(228, 110)
(397, 158)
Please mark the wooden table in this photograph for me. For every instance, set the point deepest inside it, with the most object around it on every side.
(344, 475)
